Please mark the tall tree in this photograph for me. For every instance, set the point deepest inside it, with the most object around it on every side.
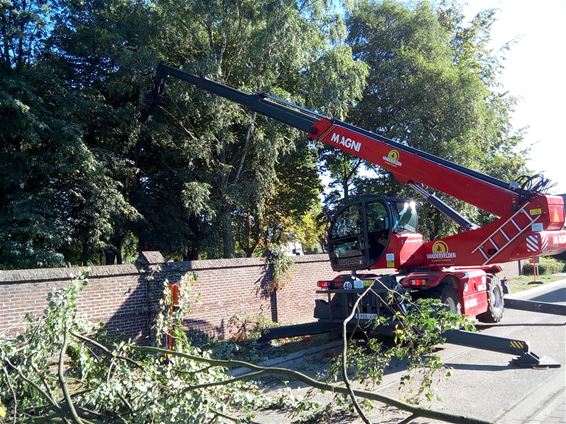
(432, 86)
(59, 201)
(109, 52)
(278, 47)
(202, 164)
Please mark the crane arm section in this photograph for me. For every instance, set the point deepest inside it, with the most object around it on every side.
(410, 165)
(407, 164)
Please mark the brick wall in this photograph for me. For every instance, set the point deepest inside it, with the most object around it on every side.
(115, 295)
(125, 297)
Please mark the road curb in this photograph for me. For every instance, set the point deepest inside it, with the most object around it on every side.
(236, 372)
(544, 414)
(536, 290)
(545, 394)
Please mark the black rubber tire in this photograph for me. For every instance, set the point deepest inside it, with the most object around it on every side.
(450, 298)
(495, 301)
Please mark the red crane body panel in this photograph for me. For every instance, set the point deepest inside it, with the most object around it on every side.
(408, 167)
(522, 231)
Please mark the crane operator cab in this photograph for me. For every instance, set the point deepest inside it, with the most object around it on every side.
(361, 229)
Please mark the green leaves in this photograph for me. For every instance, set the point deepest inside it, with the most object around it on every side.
(281, 266)
(432, 84)
(81, 178)
(335, 82)
(417, 331)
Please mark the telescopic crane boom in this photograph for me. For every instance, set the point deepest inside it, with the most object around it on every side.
(417, 166)
(376, 232)
(530, 224)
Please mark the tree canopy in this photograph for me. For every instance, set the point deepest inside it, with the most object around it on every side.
(82, 181)
(432, 85)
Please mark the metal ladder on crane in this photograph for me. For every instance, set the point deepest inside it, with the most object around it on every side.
(509, 238)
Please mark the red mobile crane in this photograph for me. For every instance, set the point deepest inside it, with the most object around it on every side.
(377, 232)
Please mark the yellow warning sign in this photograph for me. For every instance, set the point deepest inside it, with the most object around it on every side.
(555, 217)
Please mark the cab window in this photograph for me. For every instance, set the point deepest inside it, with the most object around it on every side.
(378, 225)
(405, 217)
(347, 247)
(348, 223)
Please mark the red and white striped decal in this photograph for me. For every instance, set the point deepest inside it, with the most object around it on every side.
(533, 243)
(543, 242)
(537, 242)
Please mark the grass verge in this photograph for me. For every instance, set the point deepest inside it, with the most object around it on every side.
(525, 282)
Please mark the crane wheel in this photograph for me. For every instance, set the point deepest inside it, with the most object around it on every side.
(495, 301)
(450, 298)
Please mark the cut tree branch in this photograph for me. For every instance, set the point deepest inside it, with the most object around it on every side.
(61, 374)
(9, 382)
(43, 380)
(223, 415)
(409, 419)
(213, 384)
(223, 382)
(295, 375)
(345, 356)
(51, 400)
(105, 349)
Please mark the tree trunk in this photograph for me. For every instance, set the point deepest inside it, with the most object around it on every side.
(84, 254)
(227, 233)
(6, 42)
(119, 259)
(109, 257)
(345, 187)
(226, 216)
(191, 254)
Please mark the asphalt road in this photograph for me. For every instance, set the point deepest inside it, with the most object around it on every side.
(554, 296)
(484, 384)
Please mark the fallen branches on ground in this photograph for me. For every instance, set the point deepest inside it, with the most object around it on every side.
(62, 369)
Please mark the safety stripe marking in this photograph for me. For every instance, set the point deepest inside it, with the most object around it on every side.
(544, 242)
(517, 344)
(533, 243)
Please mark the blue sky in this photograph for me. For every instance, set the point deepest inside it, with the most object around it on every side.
(535, 71)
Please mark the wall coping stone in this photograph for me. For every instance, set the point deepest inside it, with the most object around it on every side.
(102, 271)
(205, 264)
(152, 257)
(54, 274)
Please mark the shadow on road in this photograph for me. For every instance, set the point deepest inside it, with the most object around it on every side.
(524, 324)
(479, 367)
(554, 296)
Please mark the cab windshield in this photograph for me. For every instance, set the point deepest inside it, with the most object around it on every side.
(360, 233)
(405, 217)
(347, 244)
